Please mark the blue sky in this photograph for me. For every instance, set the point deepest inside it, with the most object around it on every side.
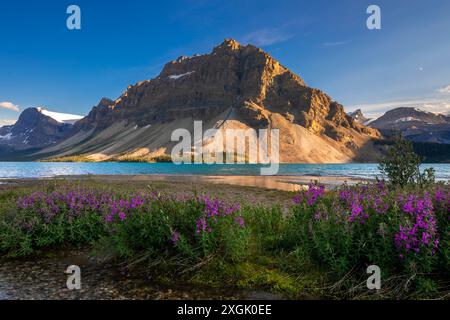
(326, 43)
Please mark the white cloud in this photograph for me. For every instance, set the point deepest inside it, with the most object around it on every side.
(444, 89)
(7, 122)
(9, 106)
(335, 44)
(376, 110)
(266, 37)
(439, 107)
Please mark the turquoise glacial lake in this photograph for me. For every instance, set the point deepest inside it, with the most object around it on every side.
(10, 170)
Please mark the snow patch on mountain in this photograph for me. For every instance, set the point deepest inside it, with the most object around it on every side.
(61, 117)
(406, 119)
(178, 76)
(6, 136)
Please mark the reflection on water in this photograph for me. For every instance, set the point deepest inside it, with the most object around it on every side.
(277, 183)
(285, 183)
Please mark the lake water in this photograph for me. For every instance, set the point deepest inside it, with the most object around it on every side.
(48, 169)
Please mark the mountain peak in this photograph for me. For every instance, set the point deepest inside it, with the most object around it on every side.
(37, 128)
(236, 85)
(105, 102)
(359, 116)
(229, 43)
(357, 112)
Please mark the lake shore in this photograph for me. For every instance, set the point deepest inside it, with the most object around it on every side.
(265, 190)
(282, 183)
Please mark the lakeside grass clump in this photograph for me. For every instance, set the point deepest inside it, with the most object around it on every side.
(319, 247)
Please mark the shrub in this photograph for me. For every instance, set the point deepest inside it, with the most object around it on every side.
(402, 166)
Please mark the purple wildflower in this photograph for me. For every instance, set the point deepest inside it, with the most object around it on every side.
(240, 221)
(175, 237)
(122, 216)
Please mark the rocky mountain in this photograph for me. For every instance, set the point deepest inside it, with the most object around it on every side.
(415, 125)
(234, 86)
(36, 128)
(359, 116)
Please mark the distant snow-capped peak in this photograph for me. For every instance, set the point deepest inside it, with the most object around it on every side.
(60, 117)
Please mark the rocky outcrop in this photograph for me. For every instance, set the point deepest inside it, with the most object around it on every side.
(98, 116)
(359, 117)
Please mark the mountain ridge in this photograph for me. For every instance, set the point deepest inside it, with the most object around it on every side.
(415, 124)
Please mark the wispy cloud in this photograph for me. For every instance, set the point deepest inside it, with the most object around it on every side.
(335, 43)
(7, 122)
(378, 109)
(266, 37)
(9, 106)
(444, 89)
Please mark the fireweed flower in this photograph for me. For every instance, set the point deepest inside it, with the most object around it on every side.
(136, 202)
(421, 233)
(439, 196)
(298, 198)
(416, 233)
(381, 185)
(67, 201)
(417, 230)
(346, 195)
(122, 216)
(312, 195)
(124, 204)
(379, 206)
(214, 210)
(314, 192)
(175, 237)
(201, 225)
(240, 221)
(357, 213)
(317, 216)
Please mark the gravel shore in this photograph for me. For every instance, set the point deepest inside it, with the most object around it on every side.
(44, 278)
